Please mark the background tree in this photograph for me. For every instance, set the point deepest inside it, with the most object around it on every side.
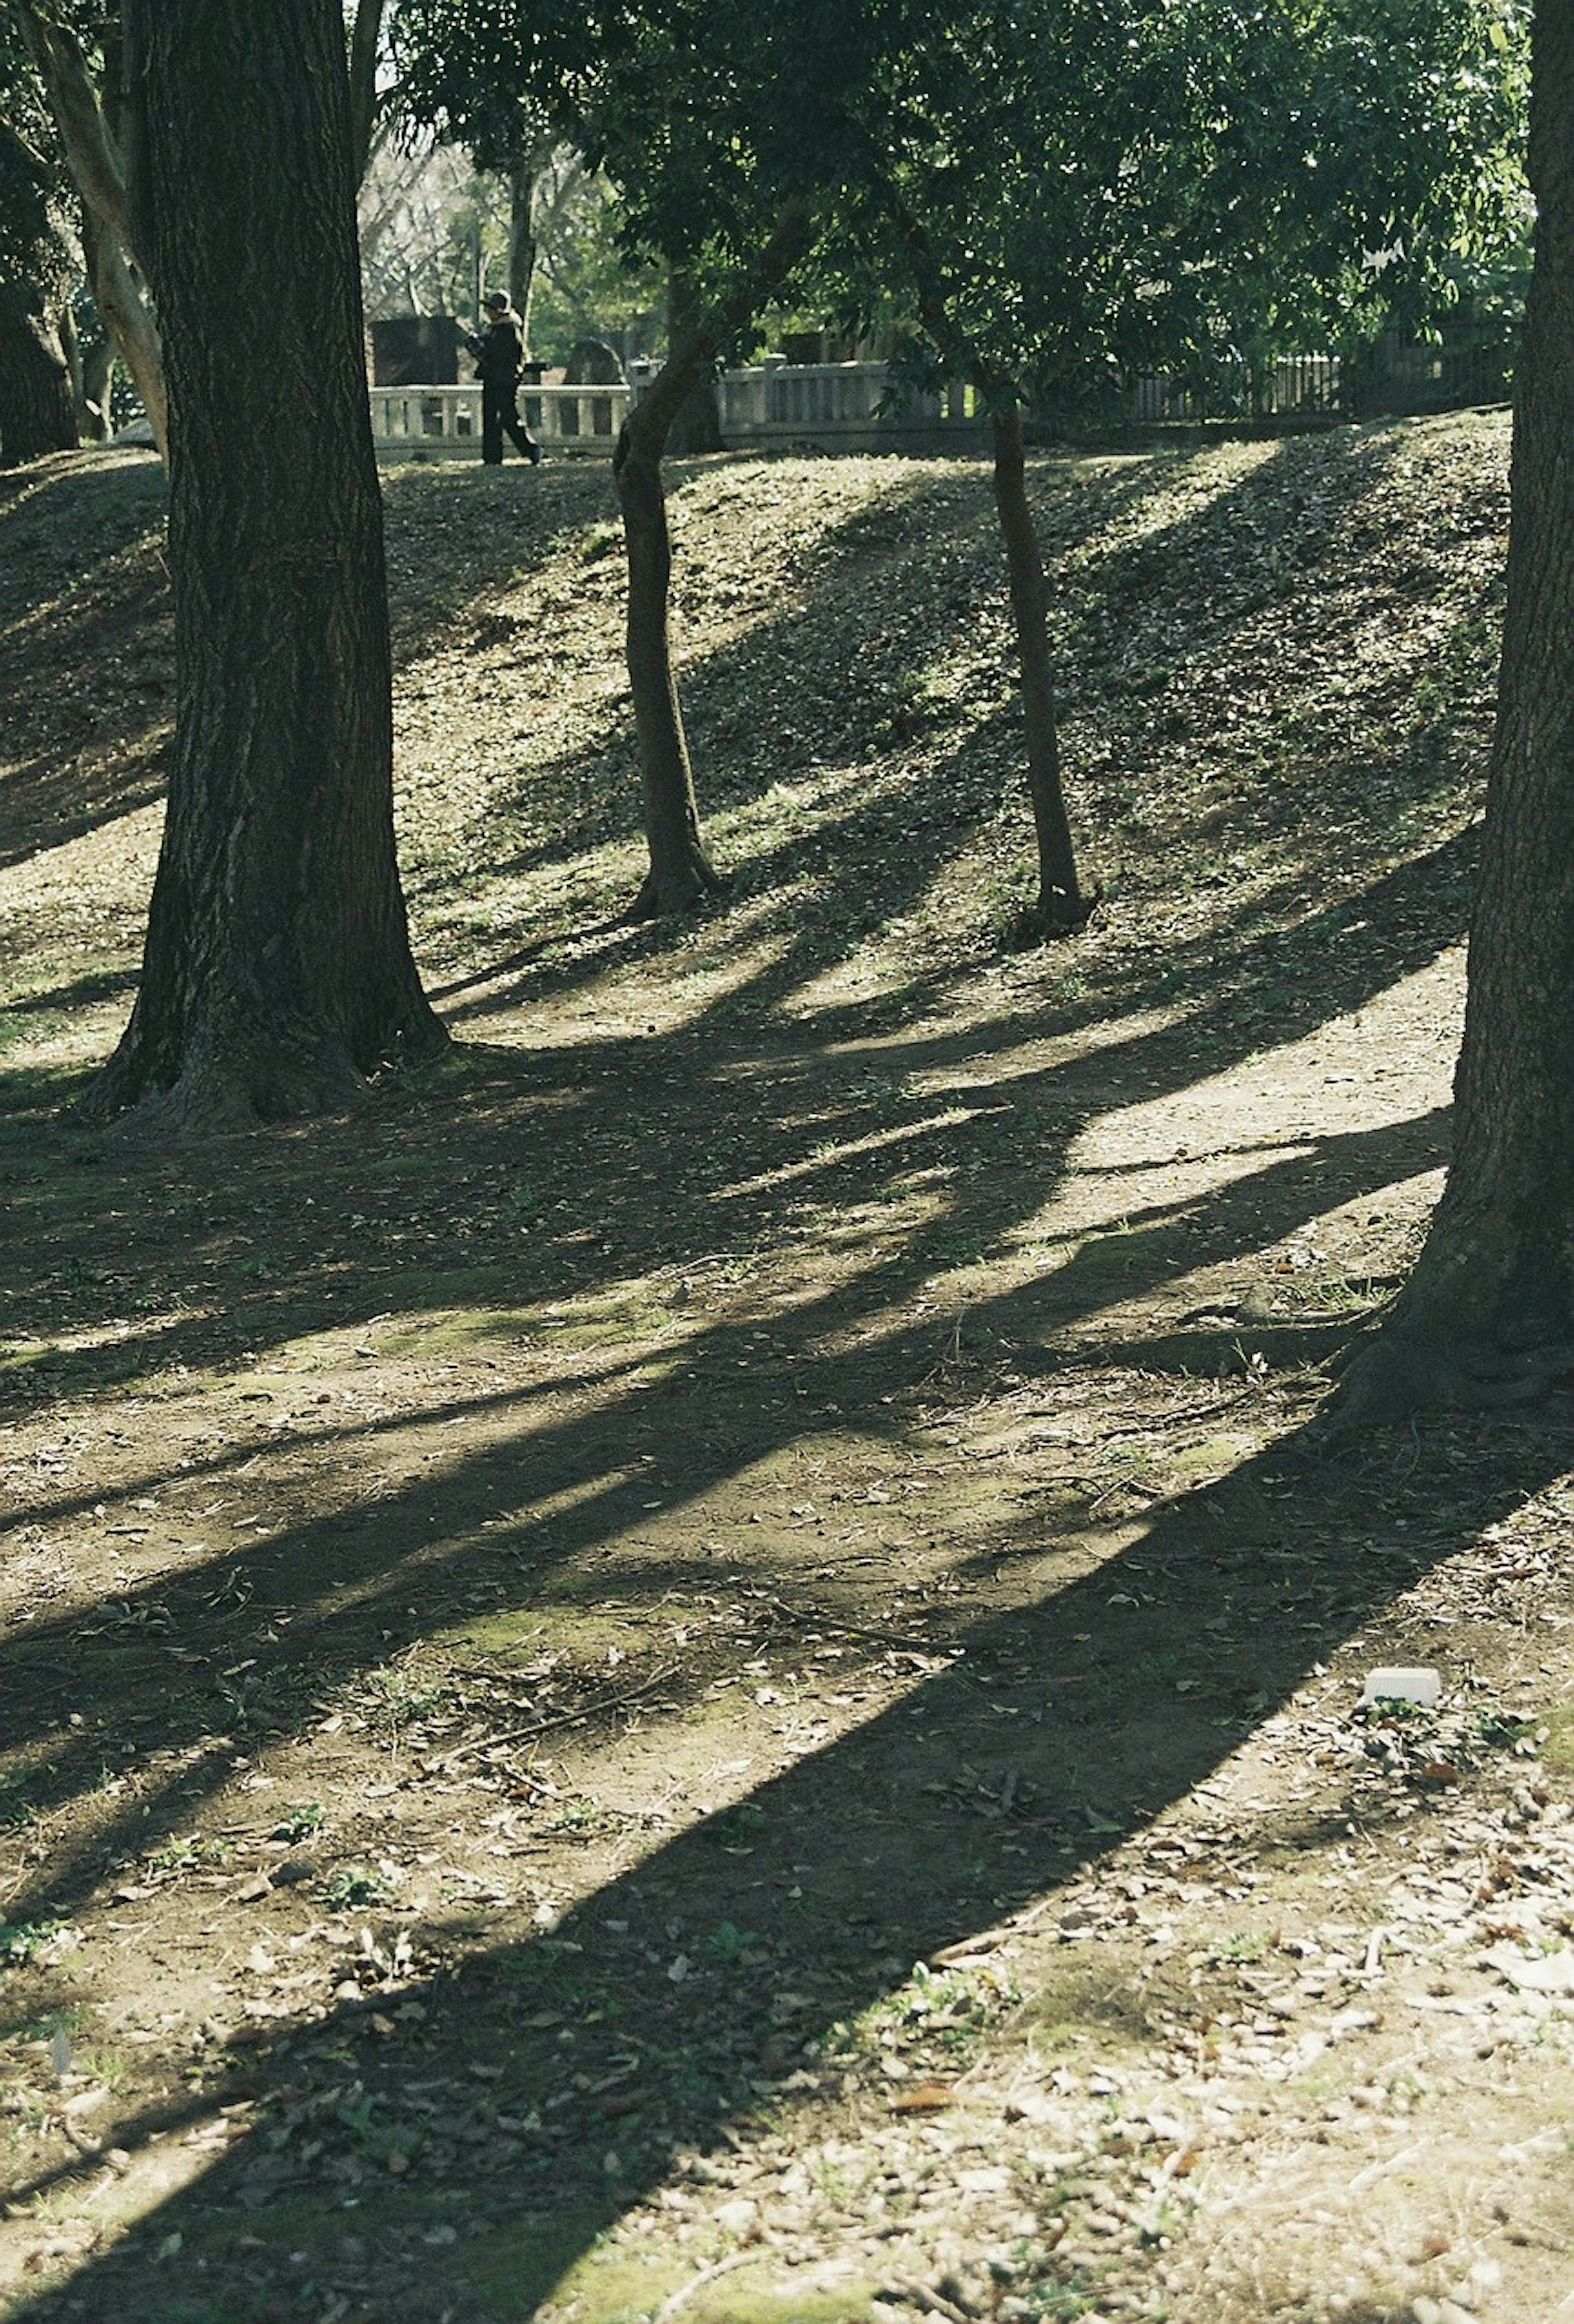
(37, 413)
(277, 975)
(589, 285)
(1073, 193)
(79, 68)
(1487, 1316)
(710, 118)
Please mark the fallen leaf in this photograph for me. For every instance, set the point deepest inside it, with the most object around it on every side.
(924, 2098)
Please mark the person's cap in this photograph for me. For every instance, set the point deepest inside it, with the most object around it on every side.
(496, 302)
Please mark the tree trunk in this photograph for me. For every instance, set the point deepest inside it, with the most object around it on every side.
(96, 389)
(94, 157)
(38, 412)
(696, 425)
(680, 870)
(365, 41)
(522, 240)
(1060, 907)
(277, 976)
(129, 321)
(1489, 1315)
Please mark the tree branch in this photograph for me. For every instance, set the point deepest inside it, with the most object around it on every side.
(91, 150)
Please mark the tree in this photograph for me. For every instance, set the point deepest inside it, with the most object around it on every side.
(1488, 1315)
(710, 118)
(277, 976)
(680, 870)
(1075, 191)
(86, 100)
(36, 408)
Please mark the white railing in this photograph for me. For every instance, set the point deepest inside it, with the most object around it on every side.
(835, 405)
(831, 404)
(444, 423)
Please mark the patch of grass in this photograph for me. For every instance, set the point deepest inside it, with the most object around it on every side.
(1558, 1748)
(353, 1889)
(299, 1822)
(1240, 1947)
(20, 1940)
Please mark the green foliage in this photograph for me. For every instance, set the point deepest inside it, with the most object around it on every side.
(1081, 189)
(1193, 185)
(20, 1940)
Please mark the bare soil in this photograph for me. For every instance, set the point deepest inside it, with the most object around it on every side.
(706, 1664)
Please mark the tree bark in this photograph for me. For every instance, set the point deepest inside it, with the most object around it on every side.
(128, 321)
(365, 40)
(523, 247)
(697, 426)
(1061, 907)
(94, 157)
(277, 976)
(1489, 1315)
(680, 872)
(38, 412)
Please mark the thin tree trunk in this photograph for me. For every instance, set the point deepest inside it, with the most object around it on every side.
(697, 426)
(522, 249)
(38, 412)
(1060, 907)
(1489, 1315)
(680, 872)
(277, 977)
(366, 39)
(93, 159)
(128, 321)
(97, 390)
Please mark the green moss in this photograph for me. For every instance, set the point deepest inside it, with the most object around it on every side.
(1558, 1750)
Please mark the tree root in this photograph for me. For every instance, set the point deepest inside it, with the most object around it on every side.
(1402, 1374)
(664, 898)
(236, 1083)
(1051, 917)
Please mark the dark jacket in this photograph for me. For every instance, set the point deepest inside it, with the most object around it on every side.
(498, 350)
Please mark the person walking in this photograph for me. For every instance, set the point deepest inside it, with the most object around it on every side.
(499, 356)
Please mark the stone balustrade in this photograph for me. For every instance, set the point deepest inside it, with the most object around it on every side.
(444, 423)
(831, 406)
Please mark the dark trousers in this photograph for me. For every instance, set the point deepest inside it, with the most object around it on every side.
(500, 417)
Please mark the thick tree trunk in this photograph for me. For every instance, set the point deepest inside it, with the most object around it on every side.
(38, 412)
(1060, 907)
(680, 870)
(1489, 1315)
(277, 977)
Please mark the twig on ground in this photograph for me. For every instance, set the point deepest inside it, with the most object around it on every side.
(933, 2303)
(686, 2291)
(561, 1719)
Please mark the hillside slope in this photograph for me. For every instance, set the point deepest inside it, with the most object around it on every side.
(702, 1666)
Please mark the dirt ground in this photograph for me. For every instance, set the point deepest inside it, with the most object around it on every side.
(707, 1665)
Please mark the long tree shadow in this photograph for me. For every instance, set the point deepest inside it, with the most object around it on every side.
(856, 691)
(863, 1124)
(547, 1189)
(551, 1492)
(514, 2105)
